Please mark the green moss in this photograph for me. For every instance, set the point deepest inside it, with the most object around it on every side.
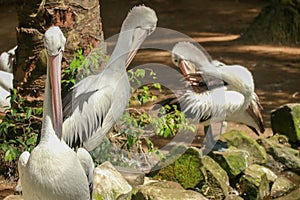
(185, 170)
(296, 117)
(243, 141)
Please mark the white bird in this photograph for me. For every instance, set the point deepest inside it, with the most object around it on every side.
(6, 84)
(97, 102)
(7, 60)
(233, 100)
(53, 171)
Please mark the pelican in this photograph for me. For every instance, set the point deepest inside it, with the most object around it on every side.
(234, 100)
(6, 84)
(53, 171)
(96, 102)
(7, 60)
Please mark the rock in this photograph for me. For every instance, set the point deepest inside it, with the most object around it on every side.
(271, 176)
(233, 197)
(132, 176)
(13, 197)
(254, 184)
(184, 170)
(109, 183)
(242, 141)
(193, 171)
(281, 186)
(164, 190)
(286, 120)
(287, 156)
(291, 196)
(233, 160)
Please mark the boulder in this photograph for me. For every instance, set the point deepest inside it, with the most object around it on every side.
(287, 156)
(233, 160)
(281, 186)
(192, 170)
(243, 141)
(109, 183)
(132, 176)
(271, 176)
(254, 184)
(286, 120)
(13, 197)
(164, 190)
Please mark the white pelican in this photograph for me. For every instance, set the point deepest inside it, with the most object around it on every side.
(96, 102)
(235, 100)
(6, 83)
(7, 60)
(53, 171)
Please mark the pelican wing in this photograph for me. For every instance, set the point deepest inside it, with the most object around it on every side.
(85, 114)
(88, 166)
(211, 105)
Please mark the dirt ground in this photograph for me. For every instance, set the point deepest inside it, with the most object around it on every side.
(216, 24)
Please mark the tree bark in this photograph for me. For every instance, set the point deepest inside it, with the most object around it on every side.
(80, 22)
(278, 23)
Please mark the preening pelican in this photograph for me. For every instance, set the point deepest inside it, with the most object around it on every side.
(234, 100)
(96, 102)
(53, 171)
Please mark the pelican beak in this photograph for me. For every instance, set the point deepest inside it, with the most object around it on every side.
(139, 36)
(187, 67)
(55, 80)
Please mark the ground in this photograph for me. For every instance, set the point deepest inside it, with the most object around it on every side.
(216, 25)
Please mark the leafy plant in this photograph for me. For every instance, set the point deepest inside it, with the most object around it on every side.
(18, 130)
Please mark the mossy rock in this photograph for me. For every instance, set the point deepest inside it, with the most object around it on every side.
(184, 170)
(286, 120)
(287, 156)
(254, 184)
(164, 190)
(216, 183)
(192, 170)
(233, 160)
(282, 186)
(243, 141)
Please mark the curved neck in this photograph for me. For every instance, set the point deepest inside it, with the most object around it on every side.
(121, 51)
(47, 125)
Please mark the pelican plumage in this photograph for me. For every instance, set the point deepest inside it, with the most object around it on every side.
(97, 102)
(7, 60)
(6, 84)
(233, 100)
(53, 171)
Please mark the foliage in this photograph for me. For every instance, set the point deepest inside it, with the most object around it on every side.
(18, 131)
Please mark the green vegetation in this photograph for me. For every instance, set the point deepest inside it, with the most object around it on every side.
(18, 132)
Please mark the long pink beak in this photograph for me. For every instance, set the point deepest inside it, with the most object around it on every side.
(183, 67)
(55, 80)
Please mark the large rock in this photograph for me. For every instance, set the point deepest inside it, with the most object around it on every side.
(243, 141)
(192, 170)
(13, 197)
(233, 160)
(132, 176)
(281, 186)
(109, 184)
(254, 184)
(164, 190)
(286, 120)
(287, 156)
(271, 176)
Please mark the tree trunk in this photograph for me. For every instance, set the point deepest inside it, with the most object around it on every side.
(80, 22)
(278, 23)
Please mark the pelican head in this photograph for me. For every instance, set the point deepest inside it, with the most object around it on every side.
(54, 42)
(141, 22)
(189, 58)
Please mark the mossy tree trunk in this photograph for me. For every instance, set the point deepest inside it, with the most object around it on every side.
(80, 22)
(278, 23)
